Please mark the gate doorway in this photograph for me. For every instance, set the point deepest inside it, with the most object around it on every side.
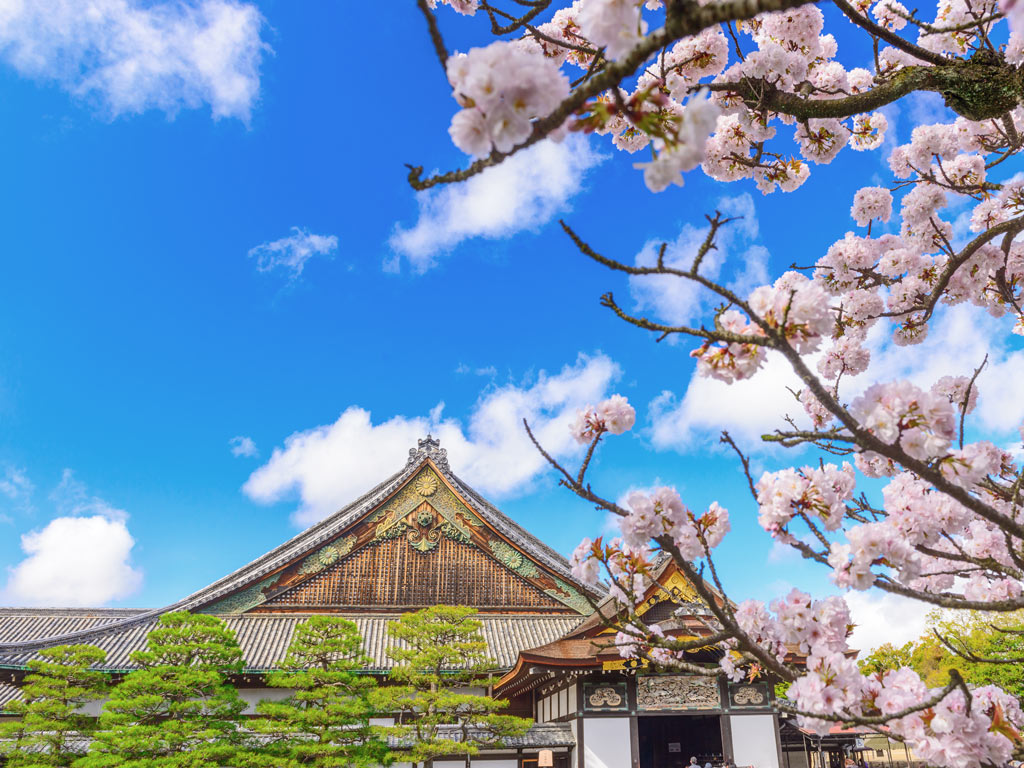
(669, 741)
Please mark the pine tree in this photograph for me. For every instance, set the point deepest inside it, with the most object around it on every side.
(178, 708)
(59, 683)
(442, 658)
(326, 722)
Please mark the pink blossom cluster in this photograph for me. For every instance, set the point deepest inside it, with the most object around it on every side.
(795, 305)
(795, 624)
(614, 415)
(662, 513)
(798, 307)
(628, 568)
(833, 687)
(615, 25)
(685, 148)
(817, 492)
(465, 7)
(922, 422)
(871, 203)
(502, 88)
(951, 732)
(733, 360)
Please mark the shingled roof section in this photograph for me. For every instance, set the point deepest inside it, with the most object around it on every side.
(264, 638)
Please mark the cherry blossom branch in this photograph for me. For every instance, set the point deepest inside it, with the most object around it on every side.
(956, 682)
(685, 21)
(1011, 228)
(890, 37)
(435, 33)
(977, 90)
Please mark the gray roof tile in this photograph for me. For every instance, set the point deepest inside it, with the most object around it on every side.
(264, 638)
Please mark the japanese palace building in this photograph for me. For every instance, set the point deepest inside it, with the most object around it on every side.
(423, 537)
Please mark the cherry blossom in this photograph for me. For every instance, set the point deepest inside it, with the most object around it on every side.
(614, 415)
(764, 102)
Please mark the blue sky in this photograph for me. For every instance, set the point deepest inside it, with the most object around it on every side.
(142, 329)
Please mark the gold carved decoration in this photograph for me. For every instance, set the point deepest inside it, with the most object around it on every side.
(676, 588)
(424, 523)
(605, 696)
(619, 664)
(426, 484)
(749, 695)
(326, 556)
(674, 692)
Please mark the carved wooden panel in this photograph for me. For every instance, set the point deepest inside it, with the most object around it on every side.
(395, 574)
(753, 695)
(605, 697)
(675, 692)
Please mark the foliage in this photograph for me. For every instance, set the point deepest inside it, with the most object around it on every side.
(326, 721)
(442, 658)
(51, 724)
(178, 709)
(985, 649)
(887, 657)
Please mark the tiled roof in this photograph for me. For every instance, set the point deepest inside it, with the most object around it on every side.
(8, 693)
(264, 638)
(540, 735)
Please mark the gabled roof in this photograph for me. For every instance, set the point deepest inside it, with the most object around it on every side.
(668, 586)
(590, 644)
(396, 510)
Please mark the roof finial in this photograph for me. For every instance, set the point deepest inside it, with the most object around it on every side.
(429, 448)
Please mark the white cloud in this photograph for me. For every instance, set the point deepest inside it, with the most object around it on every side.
(243, 445)
(522, 193)
(884, 618)
(291, 253)
(928, 108)
(82, 558)
(748, 409)
(958, 341)
(331, 465)
(15, 485)
(71, 497)
(682, 302)
(488, 371)
(133, 55)
(74, 561)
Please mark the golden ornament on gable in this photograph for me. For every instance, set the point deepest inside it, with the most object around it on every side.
(426, 484)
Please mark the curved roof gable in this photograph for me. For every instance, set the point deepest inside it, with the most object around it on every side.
(426, 509)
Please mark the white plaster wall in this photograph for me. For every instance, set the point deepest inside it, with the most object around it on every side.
(253, 696)
(475, 690)
(753, 741)
(563, 702)
(482, 763)
(92, 708)
(572, 697)
(606, 743)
